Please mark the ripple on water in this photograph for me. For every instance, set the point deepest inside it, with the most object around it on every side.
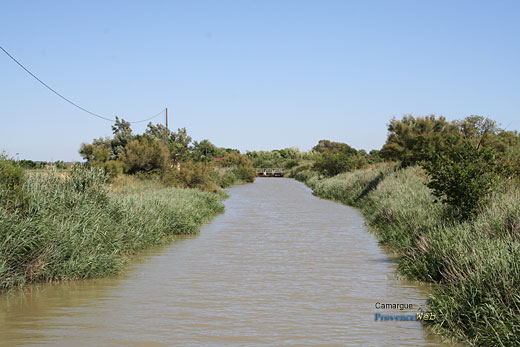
(279, 267)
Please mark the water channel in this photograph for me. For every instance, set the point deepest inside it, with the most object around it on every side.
(279, 267)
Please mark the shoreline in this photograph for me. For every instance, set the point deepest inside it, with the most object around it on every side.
(458, 259)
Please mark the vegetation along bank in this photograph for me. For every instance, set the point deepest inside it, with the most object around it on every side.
(447, 202)
(133, 192)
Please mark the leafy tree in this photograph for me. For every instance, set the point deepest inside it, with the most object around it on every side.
(326, 146)
(336, 157)
(410, 139)
(27, 164)
(94, 154)
(179, 145)
(507, 144)
(157, 132)
(462, 176)
(478, 130)
(204, 151)
(145, 155)
(374, 156)
(240, 166)
(291, 163)
(122, 136)
(191, 175)
(289, 153)
(332, 164)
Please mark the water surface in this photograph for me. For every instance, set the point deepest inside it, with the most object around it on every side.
(279, 267)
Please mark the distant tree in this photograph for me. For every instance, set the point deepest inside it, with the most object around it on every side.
(145, 155)
(60, 164)
(179, 145)
(122, 136)
(326, 146)
(94, 154)
(336, 157)
(478, 130)
(27, 164)
(289, 153)
(197, 175)
(410, 139)
(157, 132)
(374, 156)
(332, 164)
(204, 151)
(240, 166)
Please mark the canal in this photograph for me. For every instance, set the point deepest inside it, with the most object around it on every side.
(279, 267)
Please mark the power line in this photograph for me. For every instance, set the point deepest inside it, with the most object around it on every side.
(67, 100)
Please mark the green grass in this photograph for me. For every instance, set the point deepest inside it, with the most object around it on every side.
(474, 264)
(75, 226)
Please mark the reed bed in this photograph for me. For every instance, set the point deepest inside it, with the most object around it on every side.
(76, 226)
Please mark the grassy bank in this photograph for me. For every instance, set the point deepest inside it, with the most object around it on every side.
(76, 226)
(475, 264)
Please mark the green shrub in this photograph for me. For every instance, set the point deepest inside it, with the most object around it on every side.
(113, 168)
(332, 164)
(12, 179)
(240, 166)
(462, 176)
(192, 175)
(145, 155)
(291, 163)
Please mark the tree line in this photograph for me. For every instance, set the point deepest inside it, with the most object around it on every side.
(171, 156)
(465, 159)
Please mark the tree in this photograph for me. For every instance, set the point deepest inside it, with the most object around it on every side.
(240, 166)
(192, 175)
(204, 151)
(145, 155)
(179, 145)
(122, 136)
(94, 154)
(462, 176)
(326, 146)
(332, 164)
(477, 129)
(410, 139)
(157, 132)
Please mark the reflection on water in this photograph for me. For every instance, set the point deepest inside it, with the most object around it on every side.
(279, 267)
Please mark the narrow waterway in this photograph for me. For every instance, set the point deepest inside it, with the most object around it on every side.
(279, 267)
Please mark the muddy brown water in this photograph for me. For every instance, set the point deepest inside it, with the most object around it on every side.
(279, 267)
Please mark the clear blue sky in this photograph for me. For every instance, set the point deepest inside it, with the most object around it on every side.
(253, 74)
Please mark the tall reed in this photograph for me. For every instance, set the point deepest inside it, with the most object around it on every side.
(75, 227)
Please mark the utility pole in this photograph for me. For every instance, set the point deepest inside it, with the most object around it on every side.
(166, 117)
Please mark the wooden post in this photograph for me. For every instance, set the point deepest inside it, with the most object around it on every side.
(166, 117)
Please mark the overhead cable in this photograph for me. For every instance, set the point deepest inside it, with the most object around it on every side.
(66, 99)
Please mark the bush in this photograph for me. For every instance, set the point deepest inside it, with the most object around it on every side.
(462, 176)
(113, 168)
(145, 154)
(12, 179)
(240, 166)
(291, 163)
(192, 175)
(332, 164)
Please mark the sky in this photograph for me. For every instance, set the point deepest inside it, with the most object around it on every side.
(252, 75)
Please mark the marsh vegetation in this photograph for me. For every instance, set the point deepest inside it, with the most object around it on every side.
(447, 203)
